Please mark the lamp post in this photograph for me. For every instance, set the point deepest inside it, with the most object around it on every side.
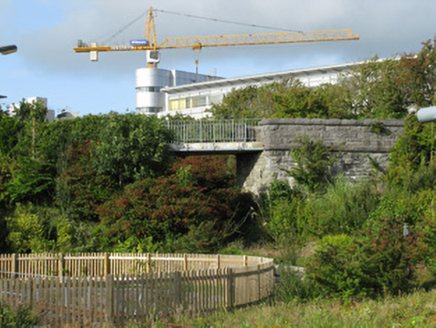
(6, 50)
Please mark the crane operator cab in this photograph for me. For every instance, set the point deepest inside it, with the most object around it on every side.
(153, 58)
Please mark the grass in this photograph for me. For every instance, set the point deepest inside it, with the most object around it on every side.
(414, 310)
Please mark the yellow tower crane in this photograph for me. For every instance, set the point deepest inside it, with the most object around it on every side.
(196, 43)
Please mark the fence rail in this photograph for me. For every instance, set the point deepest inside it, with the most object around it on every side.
(102, 264)
(213, 131)
(170, 284)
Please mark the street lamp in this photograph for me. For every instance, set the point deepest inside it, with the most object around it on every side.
(427, 115)
(6, 50)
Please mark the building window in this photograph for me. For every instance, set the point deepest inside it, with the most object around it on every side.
(149, 89)
(149, 110)
(188, 102)
(177, 104)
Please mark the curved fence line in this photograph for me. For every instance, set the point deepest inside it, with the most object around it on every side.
(118, 289)
(102, 264)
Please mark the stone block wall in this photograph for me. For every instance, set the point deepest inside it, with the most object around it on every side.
(354, 141)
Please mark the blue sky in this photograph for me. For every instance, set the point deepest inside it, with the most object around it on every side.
(46, 31)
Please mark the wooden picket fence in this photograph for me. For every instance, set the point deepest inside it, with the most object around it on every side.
(101, 264)
(182, 284)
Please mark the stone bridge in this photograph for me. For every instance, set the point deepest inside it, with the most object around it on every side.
(263, 147)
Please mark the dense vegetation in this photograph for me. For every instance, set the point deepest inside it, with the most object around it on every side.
(376, 89)
(108, 183)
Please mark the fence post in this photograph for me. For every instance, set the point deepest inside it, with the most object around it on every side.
(147, 263)
(245, 260)
(109, 304)
(61, 266)
(14, 265)
(218, 262)
(106, 264)
(230, 295)
(185, 261)
(178, 300)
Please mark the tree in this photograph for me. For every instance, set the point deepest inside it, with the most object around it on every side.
(380, 89)
(9, 128)
(32, 116)
(131, 147)
(32, 176)
(79, 190)
(418, 75)
(59, 135)
(412, 164)
(287, 98)
(170, 208)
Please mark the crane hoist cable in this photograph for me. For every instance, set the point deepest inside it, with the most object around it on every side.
(196, 43)
(226, 21)
(122, 29)
(125, 27)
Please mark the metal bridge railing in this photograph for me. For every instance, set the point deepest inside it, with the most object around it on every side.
(213, 131)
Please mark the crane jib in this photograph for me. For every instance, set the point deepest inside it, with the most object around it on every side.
(230, 40)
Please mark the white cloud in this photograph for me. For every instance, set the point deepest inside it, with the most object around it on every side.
(47, 36)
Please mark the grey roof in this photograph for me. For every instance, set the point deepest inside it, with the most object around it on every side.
(260, 78)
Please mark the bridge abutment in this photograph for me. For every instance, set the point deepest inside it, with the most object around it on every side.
(356, 143)
(267, 154)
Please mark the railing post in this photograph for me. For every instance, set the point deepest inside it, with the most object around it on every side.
(201, 131)
(218, 262)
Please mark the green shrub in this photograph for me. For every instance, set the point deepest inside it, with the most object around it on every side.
(286, 220)
(379, 261)
(411, 164)
(283, 210)
(293, 286)
(411, 207)
(18, 318)
(341, 240)
(343, 208)
(27, 231)
(314, 164)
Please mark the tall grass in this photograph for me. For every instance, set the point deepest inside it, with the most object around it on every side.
(413, 310)
(343, 208)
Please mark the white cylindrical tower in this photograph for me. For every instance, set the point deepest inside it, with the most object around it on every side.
(149, 82)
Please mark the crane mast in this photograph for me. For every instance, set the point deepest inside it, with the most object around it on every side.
(196, 43)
